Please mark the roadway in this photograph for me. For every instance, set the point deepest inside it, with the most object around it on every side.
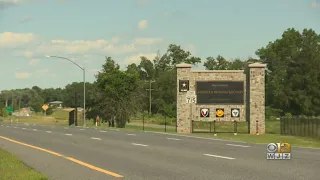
(89, 153)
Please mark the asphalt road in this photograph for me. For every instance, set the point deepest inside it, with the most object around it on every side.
(146, 155)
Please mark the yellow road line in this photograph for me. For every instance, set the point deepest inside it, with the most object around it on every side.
(68, 158)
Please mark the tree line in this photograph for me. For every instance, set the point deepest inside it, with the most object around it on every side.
(292, 81)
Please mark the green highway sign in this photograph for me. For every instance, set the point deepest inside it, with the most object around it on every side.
(9, 109)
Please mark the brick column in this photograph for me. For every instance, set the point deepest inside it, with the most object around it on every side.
(183, 109)
(257, 98)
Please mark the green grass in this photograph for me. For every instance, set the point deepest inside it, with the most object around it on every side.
(12, 168)
(60, 114)
(259, 139)
(59, 117)
(38, 120)
(155, 119)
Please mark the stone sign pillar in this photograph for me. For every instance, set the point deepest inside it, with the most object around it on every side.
(183, 109)
(256, 98)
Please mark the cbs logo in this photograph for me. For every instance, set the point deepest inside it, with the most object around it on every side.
(279, 148)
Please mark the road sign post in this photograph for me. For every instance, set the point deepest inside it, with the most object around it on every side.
(235, 113)
(191, 97)
(45, 108)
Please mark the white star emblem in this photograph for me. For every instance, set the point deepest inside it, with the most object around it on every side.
(184, 84)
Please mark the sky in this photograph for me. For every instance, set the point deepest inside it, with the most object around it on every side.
(88, 31)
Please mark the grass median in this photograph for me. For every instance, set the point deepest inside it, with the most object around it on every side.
(11, 168)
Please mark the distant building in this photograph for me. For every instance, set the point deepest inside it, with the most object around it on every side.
(57, 103)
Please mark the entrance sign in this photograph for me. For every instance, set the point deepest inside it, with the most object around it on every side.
(220, 92)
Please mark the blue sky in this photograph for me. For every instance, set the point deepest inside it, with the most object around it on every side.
(86, 32)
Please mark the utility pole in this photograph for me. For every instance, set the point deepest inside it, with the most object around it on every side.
(150, 95)
(76, 109)
(12, 101)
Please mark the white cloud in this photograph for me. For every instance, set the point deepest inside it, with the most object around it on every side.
(87, 51)
(83, 47)
(315, 4)
(147, 41)
(115, 39)
(28, 54)
(9, 3)
(10, 39)
(33, 62)
(136, 58)
(143, 24)
(23, 75)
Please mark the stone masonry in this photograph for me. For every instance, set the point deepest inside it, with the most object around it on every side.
(252, 110)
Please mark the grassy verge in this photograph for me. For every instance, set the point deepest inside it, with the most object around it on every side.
(156, 123)
(258, 139)
(38, 120)
(12, 168)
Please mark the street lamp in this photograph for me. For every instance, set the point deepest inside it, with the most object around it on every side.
(84, 85)
(150, 82)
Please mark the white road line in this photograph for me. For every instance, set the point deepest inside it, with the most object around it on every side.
(114, 129)
(1, 125)
(96, 138)
(131, 134)
(34, 130)
(223, 157)
(68, 134)
(48, 131)
(175, 139)
(15, 127)
(144, 145)
(23, 128)
(195, 137)
(81, 129)
(103, 131)
(237, 145)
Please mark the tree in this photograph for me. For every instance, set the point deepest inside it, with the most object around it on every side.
(117, 96)
(293, 72)
(292, 81)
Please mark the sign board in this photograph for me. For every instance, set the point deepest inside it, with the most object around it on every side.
(191, 99)
(9, 109)
(183, 85)
(205, 112)
(45, 107)
(235, 112)
(220, 112)
(220, 92)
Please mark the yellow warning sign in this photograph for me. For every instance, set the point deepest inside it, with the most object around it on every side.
(45, 107)
(220, 112)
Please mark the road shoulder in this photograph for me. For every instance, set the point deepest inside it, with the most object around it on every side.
(54, 167)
